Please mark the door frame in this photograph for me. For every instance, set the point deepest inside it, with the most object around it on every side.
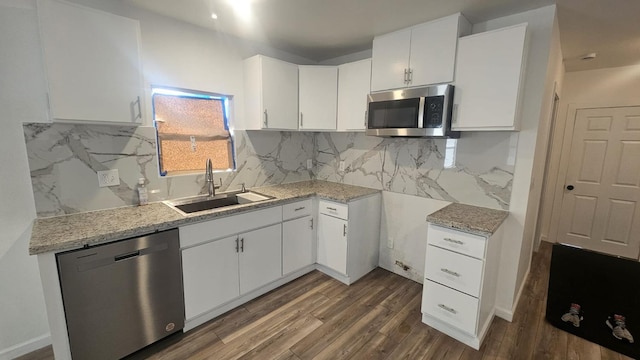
(567, 139)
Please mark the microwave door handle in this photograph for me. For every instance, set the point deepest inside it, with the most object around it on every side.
(421, 113)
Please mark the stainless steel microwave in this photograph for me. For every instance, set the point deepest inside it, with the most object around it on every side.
(417, 112)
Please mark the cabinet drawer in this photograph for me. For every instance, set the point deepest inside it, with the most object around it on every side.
(453, 307)
(297, 209)
(458, 241)
(457, 271)
(334, 209)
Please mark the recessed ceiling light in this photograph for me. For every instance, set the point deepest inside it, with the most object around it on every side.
(214, 16)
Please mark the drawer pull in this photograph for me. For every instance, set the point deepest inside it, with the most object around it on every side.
(298, 209)
(454, 241)
(446, 308)
(332, 209)
(447, 271)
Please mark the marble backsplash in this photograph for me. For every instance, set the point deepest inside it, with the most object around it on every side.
(476, 169)
(64, 160)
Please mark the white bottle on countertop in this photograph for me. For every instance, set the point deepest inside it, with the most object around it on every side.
(143, 199)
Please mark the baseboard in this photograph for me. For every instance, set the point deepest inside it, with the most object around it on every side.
(507, 314)
(25, 347)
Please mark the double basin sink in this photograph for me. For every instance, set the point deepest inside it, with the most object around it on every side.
(199, 203)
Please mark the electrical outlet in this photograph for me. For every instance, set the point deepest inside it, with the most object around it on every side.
(341, 166)
(390, 242)
(309, 164)
(108, 178)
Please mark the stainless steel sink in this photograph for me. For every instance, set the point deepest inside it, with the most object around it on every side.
(199, 203)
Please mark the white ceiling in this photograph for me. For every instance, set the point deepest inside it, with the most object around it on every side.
(611, 28)
(324, 29)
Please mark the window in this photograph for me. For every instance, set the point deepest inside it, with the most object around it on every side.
(192, 127)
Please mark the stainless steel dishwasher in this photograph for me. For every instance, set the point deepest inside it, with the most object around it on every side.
(122, 296)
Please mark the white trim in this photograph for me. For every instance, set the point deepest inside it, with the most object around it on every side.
(26, 347)
(508, 314)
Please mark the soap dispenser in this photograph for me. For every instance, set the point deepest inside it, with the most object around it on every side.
(143, 199)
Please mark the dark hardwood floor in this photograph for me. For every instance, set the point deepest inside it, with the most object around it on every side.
(378, 317)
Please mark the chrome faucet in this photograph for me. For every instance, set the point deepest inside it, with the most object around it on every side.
(208, 175)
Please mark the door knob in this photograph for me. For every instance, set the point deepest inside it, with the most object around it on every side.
(569, 187)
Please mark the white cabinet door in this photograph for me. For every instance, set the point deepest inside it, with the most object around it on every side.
(354, 84)
(271, 94)
(318, 97)
(433, 51)
(332, 243)
(260, 257)
(297, 244)
(390, 59)
(210, 275)
(92, 61)
(489, 68)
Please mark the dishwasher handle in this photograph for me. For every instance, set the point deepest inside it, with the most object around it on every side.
(126, 256)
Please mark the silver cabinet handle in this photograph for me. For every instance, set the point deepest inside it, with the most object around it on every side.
(406, 75)
(410, 75)
(454, 241)
(445, 307)
(298, 209)
(301, 120)
(266, 119)
(454, 115)
(242, 245)
(447, 271)
(139, 115)
(332, 209)
(237, 245)
(344, 231)
(311, 223)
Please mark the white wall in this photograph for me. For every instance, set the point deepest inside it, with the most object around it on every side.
(516, 250)
(22, 98)
(404, 228)
(602, 87)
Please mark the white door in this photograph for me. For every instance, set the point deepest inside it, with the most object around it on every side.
(354, 84)
(260, 257)
(389, 60)
(279, 94)
(318, 97)
(332, 243)
(297, 244)
(210, 275)
(600, 206)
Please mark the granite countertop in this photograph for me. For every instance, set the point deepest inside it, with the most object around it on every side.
(472, 219)
(66, 232)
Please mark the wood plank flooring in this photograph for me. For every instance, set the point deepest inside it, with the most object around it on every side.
(378, 317)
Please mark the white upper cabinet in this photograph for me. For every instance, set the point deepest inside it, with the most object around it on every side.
(271, 94)
(92, 61)
(422, 55)
(390, 60)
(489, 75)
(354, 84)
(318, 97)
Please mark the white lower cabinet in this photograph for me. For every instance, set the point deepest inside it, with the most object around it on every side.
(349, 238)
(332, 244)
(459, 292)
(260, 257)
(297, 244)
(210, 275)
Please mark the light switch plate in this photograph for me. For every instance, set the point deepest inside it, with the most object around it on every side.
(309, 164)
(108, 178)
